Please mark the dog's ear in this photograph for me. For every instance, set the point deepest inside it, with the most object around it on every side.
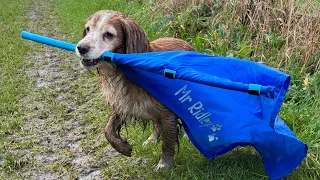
(84, 33)
(135, 39)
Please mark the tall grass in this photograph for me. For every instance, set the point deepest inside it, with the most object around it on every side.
(292, 28)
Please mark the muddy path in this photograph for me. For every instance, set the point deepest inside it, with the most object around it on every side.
(57, 142)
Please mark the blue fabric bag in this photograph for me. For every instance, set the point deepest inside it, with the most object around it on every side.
(216, 119)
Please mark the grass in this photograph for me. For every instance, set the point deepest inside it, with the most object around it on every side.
(13, 81)
(210, 28)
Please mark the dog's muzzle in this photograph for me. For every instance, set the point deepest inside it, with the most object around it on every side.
(90, 62)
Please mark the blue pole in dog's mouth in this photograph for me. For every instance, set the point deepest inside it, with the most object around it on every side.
(173, 72)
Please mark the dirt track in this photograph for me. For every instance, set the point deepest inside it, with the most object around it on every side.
(54, 127)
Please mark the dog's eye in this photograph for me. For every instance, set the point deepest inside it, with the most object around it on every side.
(88, 29)
(108, 35)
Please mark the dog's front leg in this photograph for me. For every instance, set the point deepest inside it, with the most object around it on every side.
(112, 134)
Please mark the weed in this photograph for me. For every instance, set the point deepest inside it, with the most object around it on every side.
(13, 162)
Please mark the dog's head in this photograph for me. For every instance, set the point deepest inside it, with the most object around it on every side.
(110, 31)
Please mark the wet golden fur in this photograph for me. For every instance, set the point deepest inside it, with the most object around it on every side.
(113, 31)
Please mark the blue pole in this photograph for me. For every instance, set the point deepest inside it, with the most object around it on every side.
(210, 80)
(48, 41)
(185, 73)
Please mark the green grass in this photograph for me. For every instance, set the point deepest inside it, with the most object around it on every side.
(151, 21)
(13, 82)
(225, 37)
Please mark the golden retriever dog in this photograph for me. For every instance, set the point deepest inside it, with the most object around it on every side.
(112, 31)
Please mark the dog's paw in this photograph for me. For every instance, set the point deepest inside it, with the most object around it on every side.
(125, 148)
(149, 141)
(163, 164)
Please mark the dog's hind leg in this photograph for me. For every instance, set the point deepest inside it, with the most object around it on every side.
(112, 134)
(169, 134)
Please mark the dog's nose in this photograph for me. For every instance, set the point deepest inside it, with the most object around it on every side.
(83, 49)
